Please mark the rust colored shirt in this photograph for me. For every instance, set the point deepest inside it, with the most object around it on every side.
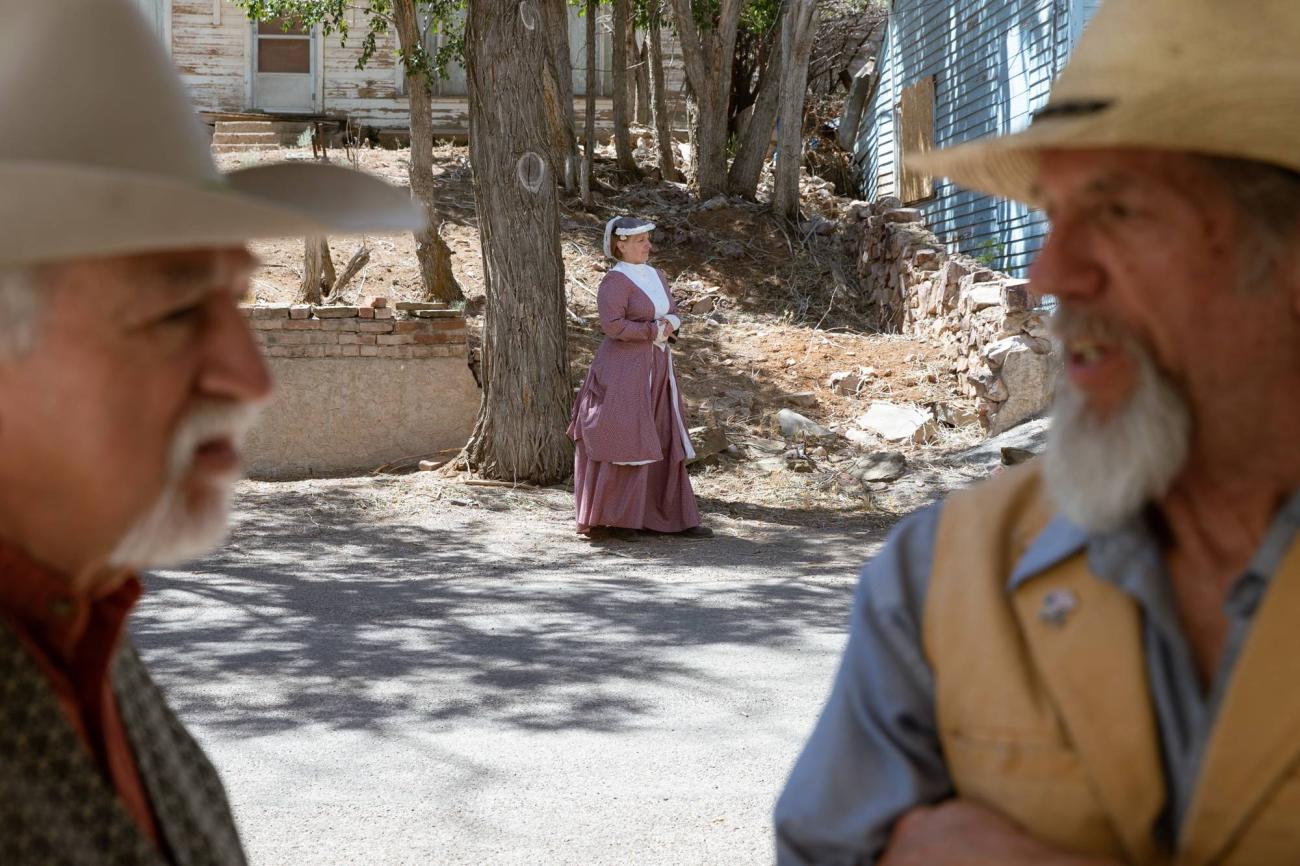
(73, 639)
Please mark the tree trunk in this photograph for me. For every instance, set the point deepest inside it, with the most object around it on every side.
(317, 271)
(520, 431)
(431, 251)
(589, 122)
(708, 55)
(692, 130)
(643, 83)
(797, 32)
(747, 167)
(622, 139)
(659, 103)
(864, 82)
(711, 144)
(556, 16)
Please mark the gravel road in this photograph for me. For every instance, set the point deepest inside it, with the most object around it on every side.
(403, 670)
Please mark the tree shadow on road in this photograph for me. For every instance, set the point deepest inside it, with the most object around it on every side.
(316, 614)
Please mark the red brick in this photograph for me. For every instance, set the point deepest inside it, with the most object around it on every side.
(438, 339)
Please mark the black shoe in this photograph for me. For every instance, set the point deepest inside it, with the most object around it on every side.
(616, 533)
(696, 532)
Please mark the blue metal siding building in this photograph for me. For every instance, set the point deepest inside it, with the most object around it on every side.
(992, 63)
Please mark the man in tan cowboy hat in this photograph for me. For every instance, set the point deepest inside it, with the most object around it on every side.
(1094, 658)
(127, 377)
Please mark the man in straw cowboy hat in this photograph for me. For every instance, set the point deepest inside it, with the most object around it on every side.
(1094, 658)
(127, 377)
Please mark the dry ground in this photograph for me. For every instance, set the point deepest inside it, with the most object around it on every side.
(785, 315)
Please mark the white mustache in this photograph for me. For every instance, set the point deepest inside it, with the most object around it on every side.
(1073, 324)
(209, 420)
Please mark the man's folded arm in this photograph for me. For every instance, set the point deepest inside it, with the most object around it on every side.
(874, 753)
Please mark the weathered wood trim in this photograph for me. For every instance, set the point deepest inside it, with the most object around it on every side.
(318, 69)
(167, 26)
(250, 61)
(216, 12)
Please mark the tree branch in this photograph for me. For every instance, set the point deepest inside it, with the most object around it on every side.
(692, 47)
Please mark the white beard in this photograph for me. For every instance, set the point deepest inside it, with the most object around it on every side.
(1101, 472)
(178, 527)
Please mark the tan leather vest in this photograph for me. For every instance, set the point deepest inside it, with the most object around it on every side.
(1049, 720)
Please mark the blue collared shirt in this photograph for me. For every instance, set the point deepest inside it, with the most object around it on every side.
(875, 751)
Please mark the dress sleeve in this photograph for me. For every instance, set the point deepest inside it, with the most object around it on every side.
(874, 752)
(611, 301)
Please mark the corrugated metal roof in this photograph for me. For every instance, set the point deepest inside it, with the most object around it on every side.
(993, 62)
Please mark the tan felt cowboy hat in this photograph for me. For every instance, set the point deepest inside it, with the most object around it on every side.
(1203, 76)
(101, 151)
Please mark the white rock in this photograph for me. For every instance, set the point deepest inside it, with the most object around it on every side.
(1030, 380)
(896, 423)
(794, 425)
(861, 437)
(881, 466)
(985, 295)
(995, 353)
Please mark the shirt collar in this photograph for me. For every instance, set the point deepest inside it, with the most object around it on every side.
(40, 601)
(1059, 540)
(1108, 552)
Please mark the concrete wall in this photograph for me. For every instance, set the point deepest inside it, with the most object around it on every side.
(334, 416)
(359, 387)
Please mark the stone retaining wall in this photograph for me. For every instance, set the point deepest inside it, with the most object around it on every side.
(408, 331)
(985, 322)
(359, 387)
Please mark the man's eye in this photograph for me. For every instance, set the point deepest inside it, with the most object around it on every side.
(181, 315)
(1117, 211)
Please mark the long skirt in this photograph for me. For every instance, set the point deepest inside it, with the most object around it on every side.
(655, 496)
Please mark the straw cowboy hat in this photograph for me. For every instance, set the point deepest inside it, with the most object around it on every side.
(1201, 76)
(101, 151)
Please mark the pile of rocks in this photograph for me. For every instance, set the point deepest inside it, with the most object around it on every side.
(995, 340)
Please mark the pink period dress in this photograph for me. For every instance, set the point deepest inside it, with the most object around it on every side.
(629, 421)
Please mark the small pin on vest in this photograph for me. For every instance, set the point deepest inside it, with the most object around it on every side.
(1057, 607)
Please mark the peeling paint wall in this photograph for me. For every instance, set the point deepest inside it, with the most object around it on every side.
(211, 43)
(213, 58)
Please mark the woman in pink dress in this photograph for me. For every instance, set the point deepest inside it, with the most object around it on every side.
(629, 422)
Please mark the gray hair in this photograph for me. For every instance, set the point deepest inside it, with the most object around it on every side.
(20, 307)
(1268, 200)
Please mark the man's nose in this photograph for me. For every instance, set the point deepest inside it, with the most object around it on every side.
(233, 367)
(1065, 267)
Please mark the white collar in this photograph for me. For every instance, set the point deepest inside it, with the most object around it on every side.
(647, 280)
